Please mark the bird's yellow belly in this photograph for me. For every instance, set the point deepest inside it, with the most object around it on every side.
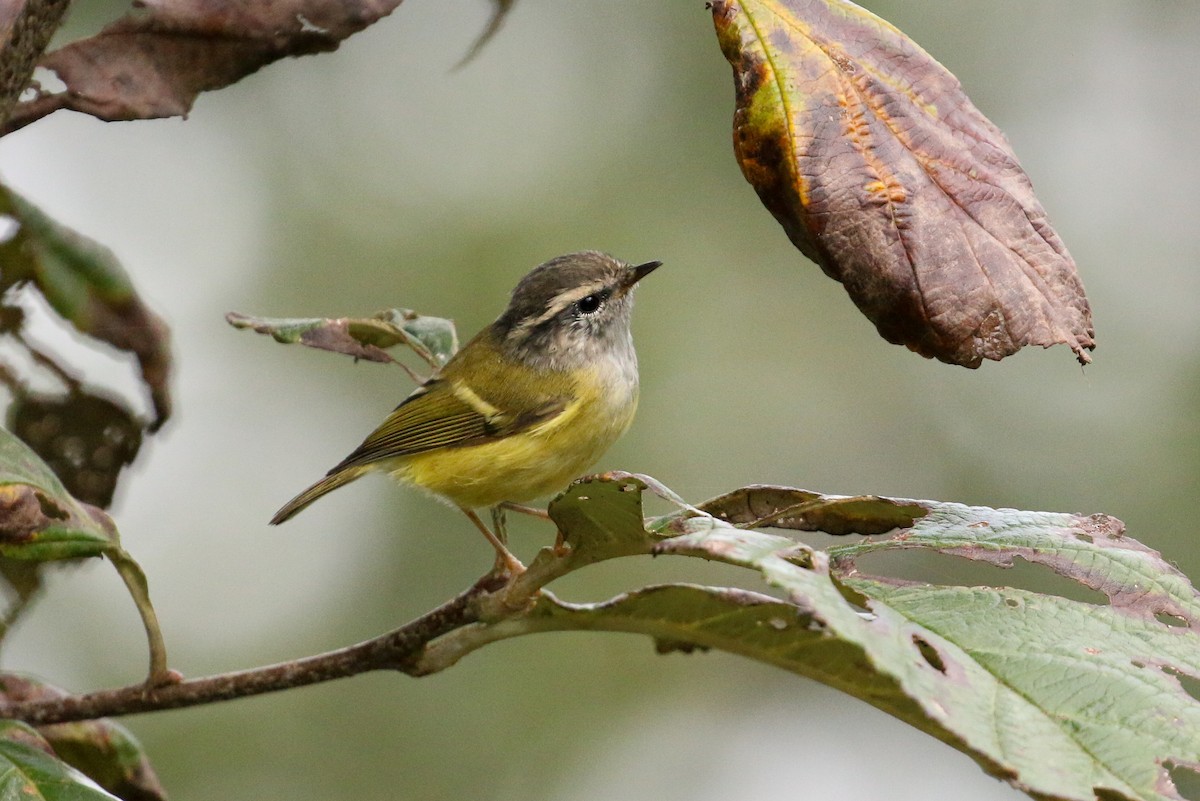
(523, 466)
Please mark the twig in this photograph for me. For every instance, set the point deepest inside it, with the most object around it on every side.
(25, 30)
(397, 650)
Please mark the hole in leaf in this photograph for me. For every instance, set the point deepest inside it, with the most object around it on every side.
(1106, 794)
(9, 226)
(800, 556)
(1174, 621)
(1186, 779)
(664, 646)
(1190, 684)
(943, 569)
(49, 508)
(603, 580)
(1012, 602)
(930, 654)
(48, 82)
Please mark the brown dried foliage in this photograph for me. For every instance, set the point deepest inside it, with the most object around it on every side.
(882, 171)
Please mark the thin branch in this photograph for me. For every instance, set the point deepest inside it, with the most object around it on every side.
(25, 30)
(396, 650)
(494, 607)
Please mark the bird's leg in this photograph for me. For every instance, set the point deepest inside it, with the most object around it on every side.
(506, 563)
(499, 524)
(560, 546)
(533, 511)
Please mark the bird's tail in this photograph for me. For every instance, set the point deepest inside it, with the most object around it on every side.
(331, 482)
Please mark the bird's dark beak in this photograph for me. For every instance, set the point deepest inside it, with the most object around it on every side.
(639, 272)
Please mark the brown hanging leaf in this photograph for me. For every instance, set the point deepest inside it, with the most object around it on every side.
(881, 170)
(154, 62)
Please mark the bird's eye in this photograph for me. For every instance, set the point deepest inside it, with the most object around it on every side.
(589, 304)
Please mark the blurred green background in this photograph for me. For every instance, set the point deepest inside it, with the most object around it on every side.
(381, 176)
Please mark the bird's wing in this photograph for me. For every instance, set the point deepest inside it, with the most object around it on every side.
(446, 414)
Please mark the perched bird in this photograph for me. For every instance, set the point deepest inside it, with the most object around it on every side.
(524, 407)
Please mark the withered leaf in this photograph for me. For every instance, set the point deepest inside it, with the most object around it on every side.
(882, 171)
(156, 61)
(761, 505)
(87, 440)
(87, 286)
(41, 522)
(336, 335)
(434, 339)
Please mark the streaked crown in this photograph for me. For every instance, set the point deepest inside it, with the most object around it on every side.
(572, 309)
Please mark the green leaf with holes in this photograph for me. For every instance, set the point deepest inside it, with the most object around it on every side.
(1062, 699)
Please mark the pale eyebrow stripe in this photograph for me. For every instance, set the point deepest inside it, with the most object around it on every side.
(560, 301)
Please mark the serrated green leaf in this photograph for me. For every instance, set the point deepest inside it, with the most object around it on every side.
(29, 771)
(1092, 550)
(1060, 698)
(1085, 695)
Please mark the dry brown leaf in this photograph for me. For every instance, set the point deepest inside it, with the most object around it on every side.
(154, 62)
(881, 170)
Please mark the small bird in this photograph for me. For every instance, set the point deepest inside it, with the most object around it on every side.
(524, 407)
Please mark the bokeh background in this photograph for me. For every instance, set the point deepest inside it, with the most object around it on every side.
(381, 176)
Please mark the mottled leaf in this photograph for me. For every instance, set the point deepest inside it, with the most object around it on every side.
(86, 285)
(435, 339)
(40, 522)
(1060, 698)
(156, 61)
(432, 338)
(882, 171)
(102, 749)
(85, 439)
(29, 771)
